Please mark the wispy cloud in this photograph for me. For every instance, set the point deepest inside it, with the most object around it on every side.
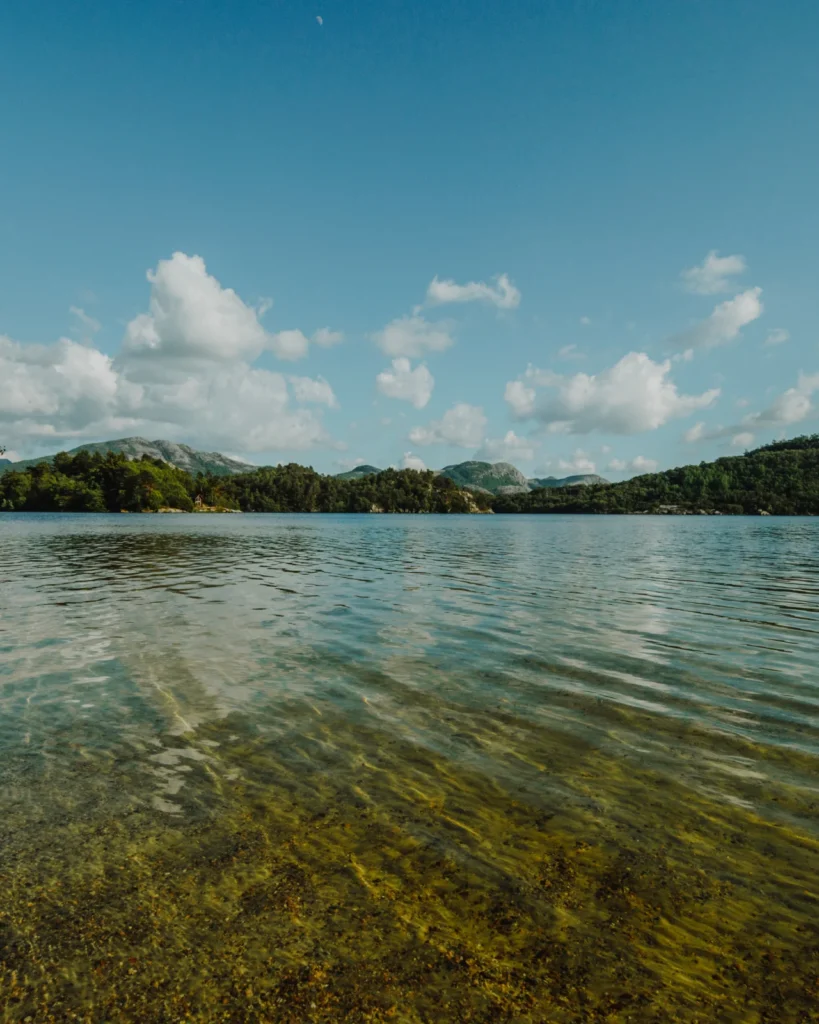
(792, 406)
(580, 462)
(86, 326)
(724, 323)
(502, 294)
(778, 336)
(713, 275)
(639, 464)
(508, 448)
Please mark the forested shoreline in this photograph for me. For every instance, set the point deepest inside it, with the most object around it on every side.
(778, 479)
(90, 482)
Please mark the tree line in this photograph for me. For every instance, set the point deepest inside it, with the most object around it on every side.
(94, 482)
(781, 478)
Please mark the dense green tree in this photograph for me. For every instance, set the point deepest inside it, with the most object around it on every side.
(780, 478)
(94, 482)
(294, 488)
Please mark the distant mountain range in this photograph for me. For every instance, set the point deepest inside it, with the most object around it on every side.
(492, 477)
(487, 477)
(504, 478)
(181, 455)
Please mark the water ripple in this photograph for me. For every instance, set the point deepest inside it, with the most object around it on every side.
(688, 643)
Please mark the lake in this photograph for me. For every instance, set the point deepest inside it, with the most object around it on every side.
(409, 768)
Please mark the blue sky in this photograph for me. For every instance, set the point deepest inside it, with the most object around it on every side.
(494, 204)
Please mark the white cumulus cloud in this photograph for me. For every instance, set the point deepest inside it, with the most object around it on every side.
(413, 336)
(347, 464)
(634, 395)
(712, 276)
(639, 464)
(520, 398)
(695, 433)
(289, 345)
(410, 461)
(462, 425)
(580, 462)
(402, 382)
(327, 338)
(792, 406)
(502, 293)
(191, 316)
(184, 372)
(725, 322)
(508, 448)
(59, 390)
(700, 432)
(315, 390)
(238, 406)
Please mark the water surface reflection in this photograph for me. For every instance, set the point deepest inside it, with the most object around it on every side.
(408, 768)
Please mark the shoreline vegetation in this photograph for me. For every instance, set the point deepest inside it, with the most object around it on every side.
(781, 478)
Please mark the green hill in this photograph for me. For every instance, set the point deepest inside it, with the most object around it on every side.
(488, 477)
(485, 476)
(481, 477)
(179, 455)
(357, 472)
(578, 480)
(504, 478)
(111, 482)
(777, 479)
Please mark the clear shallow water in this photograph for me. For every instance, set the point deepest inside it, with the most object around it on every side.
(408, 768)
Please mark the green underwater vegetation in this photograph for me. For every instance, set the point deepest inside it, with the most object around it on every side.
(406, 887)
